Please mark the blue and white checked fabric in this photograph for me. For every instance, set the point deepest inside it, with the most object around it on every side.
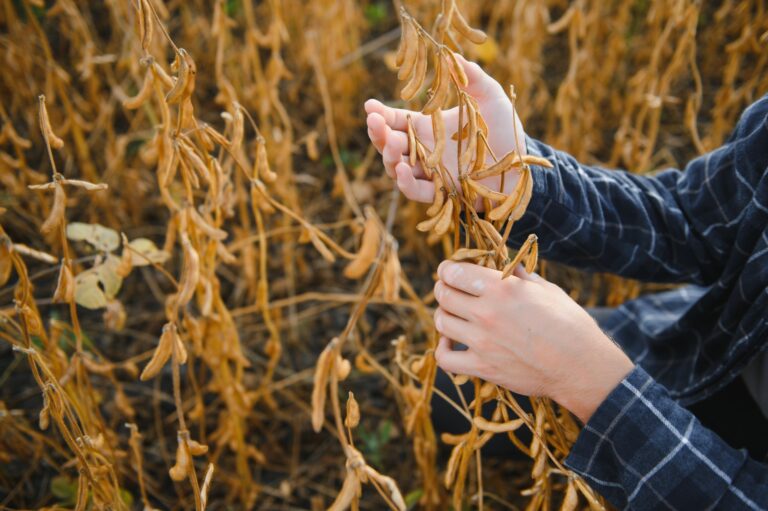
(708, 226)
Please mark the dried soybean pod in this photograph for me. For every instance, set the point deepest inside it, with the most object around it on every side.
(412, 143)
(460, 379)
(161, 354)
(439, 199)
(497, 427)
(412, 37)
(144, 93)
(504, 210)
(471, 149)
(525, 249)
(196, 448)
(459, 23)
(176, 94)
(464, 254)
(56, 216)
(322, 370)
(65, 287)
(321, 247)
(482, 147)
(263, 171)
(445, 219)
(490, 231)
(571, 498)
(353, 412)
(405, 38)
(533, 256)
(217, 137)
(525, 198)
(45, 126)
(458, 70)
(369, 248)
(390, 278)
(179, 350)
(530, 159)
(343, 368)
(438, 132)
(178, 472)
(453, 463)
(203, 225)
(428, 171)
(507, 162)
(484, 191)
(414, 85)
(91, 187)
(539, 465)
(190, 275)
(429, 224)
(146, 24)
(440, 88)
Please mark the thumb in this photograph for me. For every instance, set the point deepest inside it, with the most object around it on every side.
(480, 84)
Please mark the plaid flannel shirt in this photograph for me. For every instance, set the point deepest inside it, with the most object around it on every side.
(708, 226)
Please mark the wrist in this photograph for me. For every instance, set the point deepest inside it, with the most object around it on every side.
(583, 395)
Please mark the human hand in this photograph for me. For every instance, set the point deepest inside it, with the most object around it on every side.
(388, 131)
(525, 334)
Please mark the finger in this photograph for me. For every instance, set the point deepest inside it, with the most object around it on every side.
(454, 301)
(467, 277)
(396, 118)
(419, 190)
(456, 362)
(391, 157)
(481, 85)
(456, 328)
(397, 142)
(524, 275)
(377, 130)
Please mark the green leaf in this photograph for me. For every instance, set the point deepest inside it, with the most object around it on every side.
(126, 497)
(413, 497)
(232, 7)
(102, 238)
(376, 13)
(64, 489)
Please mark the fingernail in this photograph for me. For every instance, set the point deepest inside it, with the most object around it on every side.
(438, 290)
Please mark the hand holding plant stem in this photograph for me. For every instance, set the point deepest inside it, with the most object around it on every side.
(524, 334)
(388, 131)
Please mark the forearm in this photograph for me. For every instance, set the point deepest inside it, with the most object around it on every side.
(613, 221)
(642, 450)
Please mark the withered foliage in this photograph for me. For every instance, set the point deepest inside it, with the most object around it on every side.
(190, 210)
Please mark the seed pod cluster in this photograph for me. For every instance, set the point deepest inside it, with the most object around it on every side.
(499, 185)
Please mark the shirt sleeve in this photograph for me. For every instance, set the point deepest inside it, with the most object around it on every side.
(674, 226)
(643, 451)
